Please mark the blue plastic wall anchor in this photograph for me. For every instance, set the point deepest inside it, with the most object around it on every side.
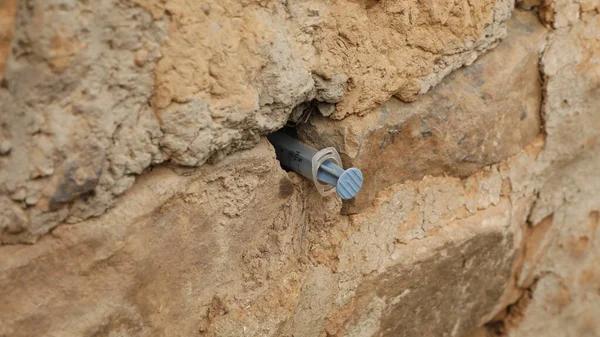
(323, 167)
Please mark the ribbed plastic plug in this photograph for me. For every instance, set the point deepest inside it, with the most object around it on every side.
(349, 183)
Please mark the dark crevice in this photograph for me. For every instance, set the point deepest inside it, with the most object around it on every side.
(512, 317)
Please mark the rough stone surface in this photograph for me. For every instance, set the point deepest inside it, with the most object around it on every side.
(402, 48)
(479, 115)
(140, 268)
(565, 272)
(131, 84)
(562, 266)
(571, 68)
(7, 16)
(556, 272)
(74, 107)
(490, 229)
(174, 265)
(564, 13)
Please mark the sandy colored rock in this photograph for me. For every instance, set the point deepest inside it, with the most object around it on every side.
(149, 82)
(479, 115)
(566, 292)
(571, 70)
(564, 13)
(143, 269)
(75, 110)
(139, 198)
(402, 48)
(559, 261)
(7, 16)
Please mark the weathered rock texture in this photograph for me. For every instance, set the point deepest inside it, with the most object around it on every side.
(138, 198)
(95, 92)
(561, 264)
(176, 265)
(456, 129)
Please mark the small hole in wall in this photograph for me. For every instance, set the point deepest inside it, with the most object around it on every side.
(300, 114)
(285, 186)
(290, 130)
(306, 156)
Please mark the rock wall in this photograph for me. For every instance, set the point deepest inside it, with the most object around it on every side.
(94, 93)
(138, 196)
